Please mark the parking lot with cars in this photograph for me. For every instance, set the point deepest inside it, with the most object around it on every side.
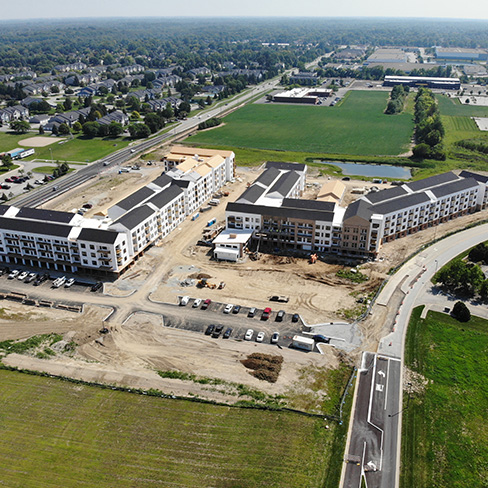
(231, 321)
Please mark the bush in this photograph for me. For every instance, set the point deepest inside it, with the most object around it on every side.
(264, 366)
(461, 312)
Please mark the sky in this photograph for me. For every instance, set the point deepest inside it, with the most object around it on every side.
(43, 9)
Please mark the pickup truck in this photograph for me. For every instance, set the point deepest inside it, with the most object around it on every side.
(279, 298)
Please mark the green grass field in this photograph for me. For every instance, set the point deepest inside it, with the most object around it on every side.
(452, 106)
(60, 434)
(357, 126)
(76, 149)
(445, 433)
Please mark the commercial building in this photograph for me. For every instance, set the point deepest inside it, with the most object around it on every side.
(426, 81)
(282, 220)
(461, 53)
(69, 242)
(310, 96)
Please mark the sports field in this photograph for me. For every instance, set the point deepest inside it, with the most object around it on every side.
(60, 434)
(445, 433)
(356, 126)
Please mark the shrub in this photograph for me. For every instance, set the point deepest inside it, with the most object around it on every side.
(461, 312)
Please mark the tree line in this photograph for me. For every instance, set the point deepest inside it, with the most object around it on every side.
(397, 99)
(429, 130)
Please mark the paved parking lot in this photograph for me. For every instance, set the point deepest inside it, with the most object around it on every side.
(198, 320)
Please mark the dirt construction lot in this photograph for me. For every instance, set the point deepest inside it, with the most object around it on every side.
(137, 346)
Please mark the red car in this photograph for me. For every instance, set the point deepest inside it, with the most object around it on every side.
(206, 303)
(266, 314)
(13, 178)
(9, 180)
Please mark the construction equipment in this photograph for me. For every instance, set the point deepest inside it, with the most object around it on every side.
(204, 283)
(221, 285)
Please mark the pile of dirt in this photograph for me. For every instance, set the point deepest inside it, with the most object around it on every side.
(264, 367)
(199, 276)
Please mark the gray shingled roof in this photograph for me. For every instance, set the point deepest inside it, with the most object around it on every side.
(135, 198)
(432, 181)
(133, 218)
(381, 196)
(163, 198)
(287, 166)
(45, 215)
(252, 194)
(476, 176)
(454, 187)
(359, 208)
(268, 177)
(163, 180)
(400, 203)
(98, 235)
(34, 227)
(3, 209)
(308, 204)
(284, 212)
(285, 183)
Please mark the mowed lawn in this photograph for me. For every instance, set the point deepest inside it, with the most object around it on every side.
(59, 434)
(445, 431)
(452, 106)
(77, 149)
(356, 126)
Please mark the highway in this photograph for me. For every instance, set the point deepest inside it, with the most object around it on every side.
(45, 193)
(370, 426)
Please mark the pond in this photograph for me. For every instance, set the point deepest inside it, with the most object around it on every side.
(372, 170)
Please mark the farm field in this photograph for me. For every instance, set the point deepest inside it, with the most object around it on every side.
(56, 433)
(356, 126)
(444, 434)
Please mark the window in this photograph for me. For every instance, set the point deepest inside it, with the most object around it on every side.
(83, 246)
(92, 246)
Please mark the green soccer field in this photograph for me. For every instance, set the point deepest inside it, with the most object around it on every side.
(356, 126)
(61, 434)
(444, 433)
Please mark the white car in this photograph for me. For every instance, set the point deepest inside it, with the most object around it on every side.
(275, 337)
(31, 277)
(59, 282)
(260, 337)
(228, 308)
(23, 275)
(197, 302)
(184, 301)
(69, 283)
(13, 274)
(249, 334)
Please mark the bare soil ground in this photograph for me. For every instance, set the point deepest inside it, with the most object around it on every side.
(39, 141)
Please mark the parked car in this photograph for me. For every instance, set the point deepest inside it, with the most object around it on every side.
(59, 282)
(210, 329)
(266, 313)
(9, 180)
(236, 309)
(96, 286)
(39, 182)
(31, 277)
(197, 302)
(227, 333)
(6, 187)
(252, 312)
(13, 274)
(228, 308)
(279, 298)
(280, 316)
(275, 338)
(23, 275)
(295, 317)
(41, 279)
(249, 334)
(184, 301)
(218, 330)
(321, 338)
(206, 304)
(69, 283)
(260, 337)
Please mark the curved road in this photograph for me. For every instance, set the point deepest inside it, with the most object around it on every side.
(375, 429)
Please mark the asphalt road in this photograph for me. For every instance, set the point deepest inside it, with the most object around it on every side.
(372, 447)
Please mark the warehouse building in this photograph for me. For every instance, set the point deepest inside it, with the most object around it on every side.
(461, 53)
(425, 81)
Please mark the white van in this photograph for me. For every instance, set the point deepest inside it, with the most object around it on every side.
(184, 301)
